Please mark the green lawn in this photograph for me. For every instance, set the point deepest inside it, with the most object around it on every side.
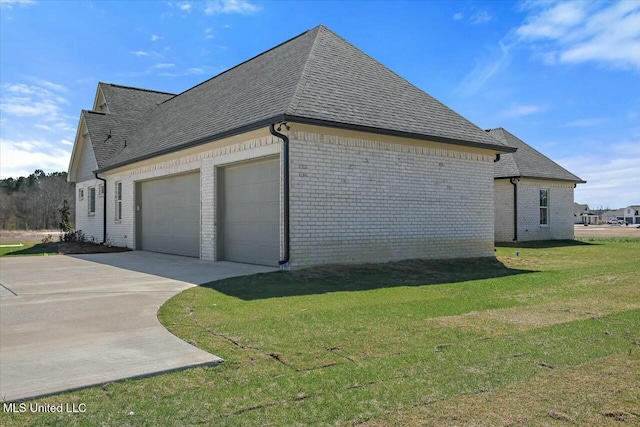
(30, 248)
(550, 336)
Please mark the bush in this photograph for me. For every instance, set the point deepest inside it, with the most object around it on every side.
(73, 236)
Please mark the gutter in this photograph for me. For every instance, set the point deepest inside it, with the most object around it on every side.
(280, 118)
(104, 209)
(285, 189)
(514, 182)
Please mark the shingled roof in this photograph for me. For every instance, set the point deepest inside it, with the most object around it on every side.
(128, 107)
(316, 78)
(527, 162)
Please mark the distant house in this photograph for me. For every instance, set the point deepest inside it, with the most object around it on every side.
(533, 194)
(613, 214)
(583, 215)
(309, 153)
(632, 214)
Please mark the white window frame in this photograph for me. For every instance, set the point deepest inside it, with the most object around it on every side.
(118, 201)
(80, 193)
(100, 190)
(89, 211)
(544, 207)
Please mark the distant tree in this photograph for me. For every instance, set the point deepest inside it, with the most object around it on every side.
(34, 202)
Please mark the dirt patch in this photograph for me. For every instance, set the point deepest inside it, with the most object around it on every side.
(600, 393)
(607, 231)
(523, 318)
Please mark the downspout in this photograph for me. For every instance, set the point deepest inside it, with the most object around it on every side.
(104, 209)
(285, 188)
(514, 182)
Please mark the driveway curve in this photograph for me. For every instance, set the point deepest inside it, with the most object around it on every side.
(68, 322)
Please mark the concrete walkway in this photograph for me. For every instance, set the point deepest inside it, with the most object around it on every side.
(68, 322)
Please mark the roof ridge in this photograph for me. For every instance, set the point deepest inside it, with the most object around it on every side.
(238, 65)
(136, 88)
(302, 83)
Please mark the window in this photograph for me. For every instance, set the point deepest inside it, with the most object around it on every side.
(100, 190)
(118, 200)
(80, 193)
(92, 201)
(544, 207)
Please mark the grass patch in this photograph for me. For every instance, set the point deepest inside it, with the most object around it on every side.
(55, 248)
(543, 337)
(27, 249)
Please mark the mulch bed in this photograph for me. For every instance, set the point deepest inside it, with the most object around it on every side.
(66, 248)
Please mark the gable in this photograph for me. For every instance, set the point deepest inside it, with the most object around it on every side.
(83, 160)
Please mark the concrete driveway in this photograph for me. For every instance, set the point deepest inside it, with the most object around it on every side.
(69, 322)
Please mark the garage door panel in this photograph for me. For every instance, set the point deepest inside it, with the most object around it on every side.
(252, 212)
(170, 209)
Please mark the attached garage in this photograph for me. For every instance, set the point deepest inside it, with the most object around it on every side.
(168, 215)
(249, 204)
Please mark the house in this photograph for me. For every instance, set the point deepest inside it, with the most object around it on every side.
(614, 214)
(533, 194)
(632, 214)
(583, 215)
(309, 153)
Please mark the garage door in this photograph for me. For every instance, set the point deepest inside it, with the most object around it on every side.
(169, 215)
(252, 212)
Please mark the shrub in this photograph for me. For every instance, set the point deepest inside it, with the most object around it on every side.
(73, 236)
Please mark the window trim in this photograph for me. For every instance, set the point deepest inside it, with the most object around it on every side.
(81, 193)
(118, 201)
(89, 211)
(544, 207)
(100, 190)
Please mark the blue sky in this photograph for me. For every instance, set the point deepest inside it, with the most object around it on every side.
(562, 76)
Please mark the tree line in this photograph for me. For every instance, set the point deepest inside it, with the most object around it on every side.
(34, 202)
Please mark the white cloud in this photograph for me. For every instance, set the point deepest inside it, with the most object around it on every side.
(34, 107)
(575, 32)
(139, 53)
(584, 123)
(49, 85)
(208, 34)
(20, 158)
(163, 65)
(21, 106)
(486, 67)
(480, 17)
(612, 180)
(8, 4)
(519, 110)
(230, 6)
(186, 6)
(458, 16)
(195, 70)
(155, 38)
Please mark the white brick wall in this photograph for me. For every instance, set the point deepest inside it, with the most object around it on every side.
(504, 210)
(560, 210)
(365, 201)
(90, 225)
(352, 200)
